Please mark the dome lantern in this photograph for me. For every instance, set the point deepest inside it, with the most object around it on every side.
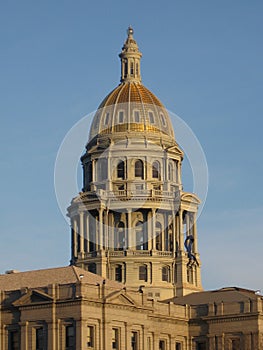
(130, 59)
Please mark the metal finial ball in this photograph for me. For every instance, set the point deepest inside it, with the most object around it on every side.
(130, 30)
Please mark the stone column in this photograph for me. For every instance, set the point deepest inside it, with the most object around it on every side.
(87, 231)
(100, 230)
(149, 230)
(75, 232)
(181, 231)
(129, 240)
(174, 231)
(81, 232)
(153, 229)
(24, 335)
(194, 231)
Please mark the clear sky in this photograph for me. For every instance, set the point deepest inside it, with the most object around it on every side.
(203, 59)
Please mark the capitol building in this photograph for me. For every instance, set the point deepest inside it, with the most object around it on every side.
(134, 279)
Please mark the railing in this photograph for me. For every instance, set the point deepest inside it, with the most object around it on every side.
(153, 195)
(121, 253)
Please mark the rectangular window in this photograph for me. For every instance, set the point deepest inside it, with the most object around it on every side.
(121, 116)
(151, 117)
(136, 116)
(40, 340)
(70, 337)
(200, 346)
(134, 341)
(162, 345)
(13, 340)
(178, 346)
(115, 338)
(235, 344)
(90, 337)
(149, 343)
(143, 273)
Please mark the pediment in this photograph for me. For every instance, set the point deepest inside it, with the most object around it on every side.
(120, 298)
(31, 297)
(176, 149)
(190, 199)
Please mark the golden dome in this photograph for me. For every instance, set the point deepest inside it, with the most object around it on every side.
(131, 107)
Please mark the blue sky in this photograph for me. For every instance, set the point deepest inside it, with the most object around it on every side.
(203, 59)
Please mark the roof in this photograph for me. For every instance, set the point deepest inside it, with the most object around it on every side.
(58, 275)
(130, 92)
(226, 295)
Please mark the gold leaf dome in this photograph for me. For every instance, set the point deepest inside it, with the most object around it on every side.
(131, 107)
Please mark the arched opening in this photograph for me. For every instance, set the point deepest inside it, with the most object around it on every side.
(132, 68)
(119, 241)
(138, 169)
(141, 240)
(156, 170)
(158, 237)
(121, 170)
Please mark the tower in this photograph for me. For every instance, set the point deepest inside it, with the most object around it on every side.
(133, 222)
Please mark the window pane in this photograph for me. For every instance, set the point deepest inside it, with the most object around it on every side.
(121, 116)
(201, 346)
(136, 116)
(134, 341)
(39, 339)
(118, 273)
(178, 346)
(90, 337)
(143, 273)
(156, 170)
(13, 340)
(115, 338)
(151, 118)
(139, 169)
(161, 345)
(120, 170)
(70, 337)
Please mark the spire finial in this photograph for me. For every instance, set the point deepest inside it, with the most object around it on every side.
(130, 31)
(130, 59)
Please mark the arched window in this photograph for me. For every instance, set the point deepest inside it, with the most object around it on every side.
(138, 170)
(125, 68)
(92, 268)
(132, 68)
(156, 170)
(118, 273)
(158, 238)
(143, 273)
(141, 236)
(121, 170)
(119, 241)
(166, 273)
